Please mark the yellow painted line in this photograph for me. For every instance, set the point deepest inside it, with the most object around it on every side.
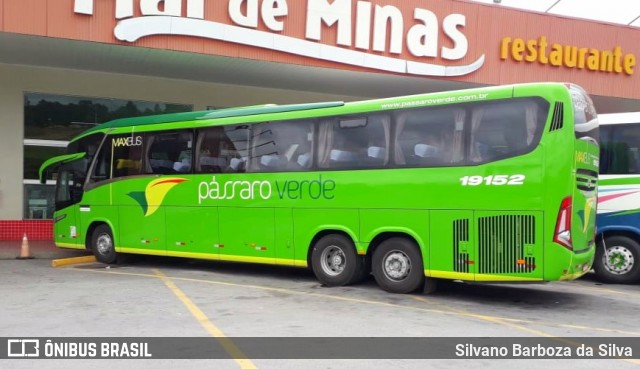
(500, 321)
(492, 319)
(446, 310)
(271, 289)
(450, 311)
(202, 318)
(571, 326)
(534, 322)
(71, 261)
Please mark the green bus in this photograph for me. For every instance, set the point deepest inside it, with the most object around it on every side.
(493, 184)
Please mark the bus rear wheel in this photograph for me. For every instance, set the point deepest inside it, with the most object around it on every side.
(617, 260)
(335, 262)
(102, 245)
(397, 266)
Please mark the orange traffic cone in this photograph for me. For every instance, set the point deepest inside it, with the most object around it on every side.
(24, 249)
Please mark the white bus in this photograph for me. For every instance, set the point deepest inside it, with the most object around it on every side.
(618, 236)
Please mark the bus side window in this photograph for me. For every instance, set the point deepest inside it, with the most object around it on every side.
(284, 146)
(504, 129)
(619, 152)
(428, 137)
(622, 162)
(235, 147)
(634, 160)
(354, 142)
(264, 152)
(101, 169)
(619, 159)
(485, 143)
(209, 158)
(376, 153)
(169, 153)
(127, 155)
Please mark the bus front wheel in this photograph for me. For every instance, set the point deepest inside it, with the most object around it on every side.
(397, 266)
(102, 245)
(335, 262)
(617, 260)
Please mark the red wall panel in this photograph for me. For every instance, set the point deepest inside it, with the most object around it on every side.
(36, 230)
(26, 16)
(1, 15)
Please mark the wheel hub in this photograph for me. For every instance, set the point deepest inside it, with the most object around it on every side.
(618, 260)
(103, 244)
(397, 265)
(333, 260)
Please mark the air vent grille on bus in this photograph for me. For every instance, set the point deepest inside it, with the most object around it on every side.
(502, 244)
(460, 234)
(557, 120)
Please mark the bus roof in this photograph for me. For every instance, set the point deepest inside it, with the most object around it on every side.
(619, 118)
(254, 110)
(210, 114)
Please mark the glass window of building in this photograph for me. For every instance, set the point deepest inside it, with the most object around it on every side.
(50, 121)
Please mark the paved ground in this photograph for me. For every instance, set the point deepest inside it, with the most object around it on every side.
(162, 297)
(9, 250)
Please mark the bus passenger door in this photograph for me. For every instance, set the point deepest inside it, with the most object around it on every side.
(247, 234)
(65, 228)
(451, 247)
(66, 221)
(68, 194)
(192, 232)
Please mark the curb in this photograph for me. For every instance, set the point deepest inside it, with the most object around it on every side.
(71, 261)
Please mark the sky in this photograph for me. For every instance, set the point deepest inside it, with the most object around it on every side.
(613, 11)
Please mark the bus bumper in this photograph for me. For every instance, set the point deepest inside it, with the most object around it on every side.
(579, 264)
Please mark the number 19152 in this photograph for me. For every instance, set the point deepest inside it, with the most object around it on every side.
(497, 180)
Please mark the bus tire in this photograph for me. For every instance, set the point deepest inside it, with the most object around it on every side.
(103, 246)
(335, 262)
(621, 263)
(397, 266)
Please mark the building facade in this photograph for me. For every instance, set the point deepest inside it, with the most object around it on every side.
(68, 64)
